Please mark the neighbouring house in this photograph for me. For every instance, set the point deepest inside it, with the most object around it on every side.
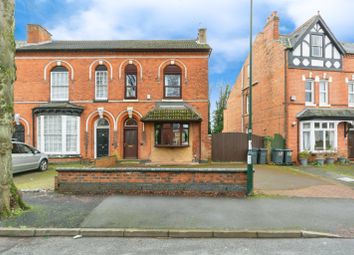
(136, 99)
(303, 89)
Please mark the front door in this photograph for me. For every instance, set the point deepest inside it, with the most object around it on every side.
(130, 143)
(351, 144)
(102, 136)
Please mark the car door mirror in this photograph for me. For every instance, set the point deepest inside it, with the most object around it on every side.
(36, 151)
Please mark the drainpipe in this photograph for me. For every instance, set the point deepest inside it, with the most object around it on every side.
(285, 99)
(200, 141)
(33, 126)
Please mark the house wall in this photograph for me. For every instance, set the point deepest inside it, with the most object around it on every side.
(267, 90)
(271, 75)
(31, 90)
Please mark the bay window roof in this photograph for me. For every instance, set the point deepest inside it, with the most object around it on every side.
(59, 108)
(172, 112)
(327, 114)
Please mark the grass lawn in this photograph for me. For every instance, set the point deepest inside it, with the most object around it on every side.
(335, 168)
(37, 179)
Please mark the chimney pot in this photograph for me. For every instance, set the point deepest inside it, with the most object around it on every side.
(202, 37)
(271, 28)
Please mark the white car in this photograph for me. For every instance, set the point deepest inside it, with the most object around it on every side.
(26, 158)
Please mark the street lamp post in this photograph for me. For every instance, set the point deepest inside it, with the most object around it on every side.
(249, 154)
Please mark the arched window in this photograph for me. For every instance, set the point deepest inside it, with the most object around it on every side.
(130, 123)
(101, 82)
(19, 134)
(172, 82)
(131, 82)
(59, 84)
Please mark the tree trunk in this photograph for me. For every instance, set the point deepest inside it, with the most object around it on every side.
(9, 195)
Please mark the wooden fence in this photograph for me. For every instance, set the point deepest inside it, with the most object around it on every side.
(232, 146)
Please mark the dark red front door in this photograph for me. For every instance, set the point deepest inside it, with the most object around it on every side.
(130, 143)
(351, 144)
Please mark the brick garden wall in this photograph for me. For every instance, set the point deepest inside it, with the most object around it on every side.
(155, 181)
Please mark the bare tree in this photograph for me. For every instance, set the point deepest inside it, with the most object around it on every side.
(9, 195)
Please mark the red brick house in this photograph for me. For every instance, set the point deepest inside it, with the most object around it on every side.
(303, 89)
(142, 99)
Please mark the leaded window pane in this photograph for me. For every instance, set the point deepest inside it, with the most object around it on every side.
(52, 134)
(172, 134)
(71, 134)
(319, 143)
(329, 140)
(306, 140)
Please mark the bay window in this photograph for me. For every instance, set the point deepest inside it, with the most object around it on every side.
(101, 83)
(59, 84)
(58, 134)
(318, 136)
(171, 134)
(351, 94)
(323, 92)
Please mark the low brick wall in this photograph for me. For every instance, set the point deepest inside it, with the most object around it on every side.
(156, 181)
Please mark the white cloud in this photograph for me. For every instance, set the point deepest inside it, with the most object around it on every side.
(226, 21)
(338, 14)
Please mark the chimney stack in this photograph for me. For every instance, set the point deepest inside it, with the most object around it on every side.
(271, 29)
(37, 34)
(202, 37)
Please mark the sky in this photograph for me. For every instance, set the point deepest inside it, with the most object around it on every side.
(227, 23)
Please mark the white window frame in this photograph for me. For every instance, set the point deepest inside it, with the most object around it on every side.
(317, 46)
(98, 72)
(41, 137)
(326, 91)
(350, 104)
(53, 75)
(312, 134)
(312, 91)
(247, 104)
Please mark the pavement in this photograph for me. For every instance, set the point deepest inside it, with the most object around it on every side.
(151, 212)
(161, 246)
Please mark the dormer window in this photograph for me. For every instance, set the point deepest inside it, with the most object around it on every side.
(317, 46)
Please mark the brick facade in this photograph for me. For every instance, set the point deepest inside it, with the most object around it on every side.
(32, 89)
(279, 88)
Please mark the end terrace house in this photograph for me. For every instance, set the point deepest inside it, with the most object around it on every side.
(303, 89)
(136, 99)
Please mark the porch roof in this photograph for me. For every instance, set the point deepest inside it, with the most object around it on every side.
(169, 112)
(327, 114)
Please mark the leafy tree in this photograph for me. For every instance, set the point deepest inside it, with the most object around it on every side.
(218, 114)
(9, 196)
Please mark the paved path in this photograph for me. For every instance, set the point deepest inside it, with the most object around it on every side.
(287, 181)
(313, 214)
(147, 246)
(326, 215)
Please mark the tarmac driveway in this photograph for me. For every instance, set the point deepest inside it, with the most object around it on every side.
(287, 181)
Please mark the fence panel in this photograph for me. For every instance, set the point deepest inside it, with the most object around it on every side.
(232, 146)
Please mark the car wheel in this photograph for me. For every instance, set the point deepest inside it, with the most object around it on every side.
(43, 166)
